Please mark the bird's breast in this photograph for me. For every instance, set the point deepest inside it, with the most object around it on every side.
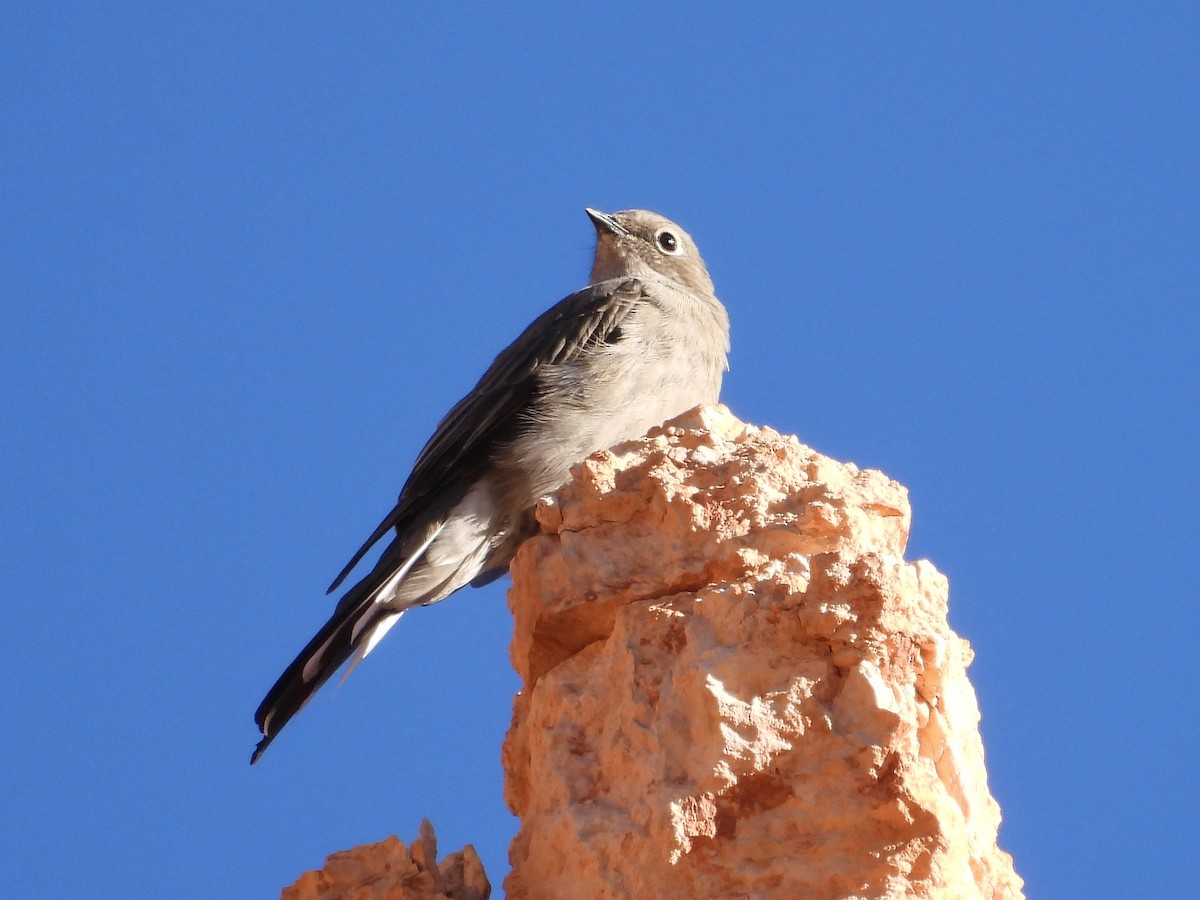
(613, 393)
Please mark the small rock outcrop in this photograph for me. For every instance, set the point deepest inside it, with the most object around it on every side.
(390, 871)
(736, 686)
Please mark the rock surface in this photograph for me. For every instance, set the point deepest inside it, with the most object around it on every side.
(390, 871)
(736, 686)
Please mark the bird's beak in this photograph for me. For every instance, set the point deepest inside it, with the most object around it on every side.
(604, 222)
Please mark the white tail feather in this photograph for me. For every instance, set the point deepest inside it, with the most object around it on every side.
(374, 636)
(382, 594)
(387, 590)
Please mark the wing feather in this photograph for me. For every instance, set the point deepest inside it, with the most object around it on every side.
(490, 415)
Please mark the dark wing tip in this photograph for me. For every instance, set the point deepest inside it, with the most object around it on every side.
(337, 582)
(389, 521)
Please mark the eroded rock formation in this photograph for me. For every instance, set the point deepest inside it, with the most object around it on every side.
(735, 685)
(390, 871)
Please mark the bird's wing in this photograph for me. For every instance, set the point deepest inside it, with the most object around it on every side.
(465, 440)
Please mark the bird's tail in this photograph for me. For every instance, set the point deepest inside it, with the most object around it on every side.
(356, 626)
(352, 630)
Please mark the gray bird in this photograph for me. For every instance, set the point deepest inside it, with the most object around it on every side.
(645, 341)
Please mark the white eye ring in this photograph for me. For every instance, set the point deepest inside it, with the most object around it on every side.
(668, 243)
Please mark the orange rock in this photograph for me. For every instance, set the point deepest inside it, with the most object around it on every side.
(735, 685)
(390, 871)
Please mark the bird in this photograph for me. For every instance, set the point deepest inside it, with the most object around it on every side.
(645, 341)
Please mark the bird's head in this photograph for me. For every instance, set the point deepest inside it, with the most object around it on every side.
(640, 243)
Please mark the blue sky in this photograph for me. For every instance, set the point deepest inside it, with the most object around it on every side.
(250, 254)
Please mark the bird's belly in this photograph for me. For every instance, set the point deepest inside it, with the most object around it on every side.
(596, 411)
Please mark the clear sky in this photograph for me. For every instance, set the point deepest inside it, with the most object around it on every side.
(250, 254)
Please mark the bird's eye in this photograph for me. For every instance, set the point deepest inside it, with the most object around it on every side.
(667, 242)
